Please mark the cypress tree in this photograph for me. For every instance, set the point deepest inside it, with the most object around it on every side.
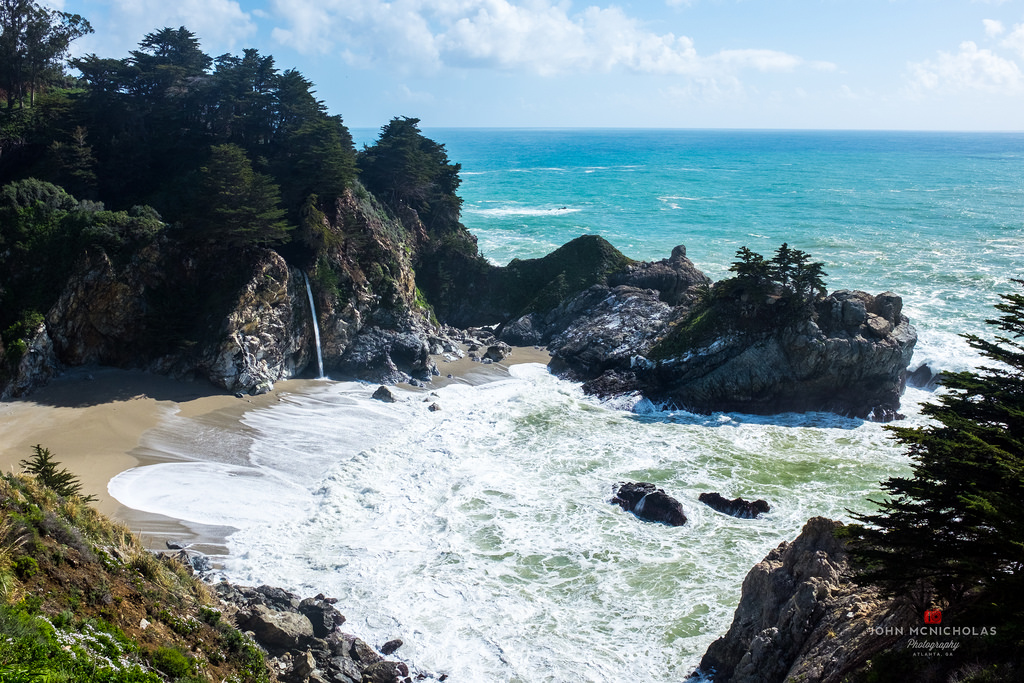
(952, 533)
(241, 207)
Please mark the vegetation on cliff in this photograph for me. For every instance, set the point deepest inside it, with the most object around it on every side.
(951, 536)
(203, 163)
(81, 600)
(763, 295)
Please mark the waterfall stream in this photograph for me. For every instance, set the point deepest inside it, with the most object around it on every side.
(316, 327)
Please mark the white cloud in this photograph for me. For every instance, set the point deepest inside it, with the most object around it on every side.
(537, 36)
(969, 69)
(761, 60)
(1015, 41)
(218, 23)
(993, 27)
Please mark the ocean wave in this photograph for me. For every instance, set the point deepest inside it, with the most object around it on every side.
(523, 211)
(482, 534)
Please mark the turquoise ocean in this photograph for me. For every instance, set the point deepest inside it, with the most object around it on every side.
(482, 535)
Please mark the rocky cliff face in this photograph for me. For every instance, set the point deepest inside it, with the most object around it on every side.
(243, 320)
(846, 354)
(801, 618)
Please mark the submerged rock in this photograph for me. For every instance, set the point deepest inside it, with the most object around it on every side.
(923, 377)
(737, 507)
(650, 503)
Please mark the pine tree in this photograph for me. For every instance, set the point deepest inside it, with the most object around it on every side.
(751, 266)
(44, 468)
(240, 207)
(953, 531)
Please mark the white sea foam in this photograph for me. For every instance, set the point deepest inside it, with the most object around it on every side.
(523, 211)
(482, 534)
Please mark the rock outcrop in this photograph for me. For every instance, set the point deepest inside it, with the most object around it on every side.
(303, 639)
(737, 507)
(619, 326)
(650, 503)
(801, 618)
(846, 353)
(674, 278)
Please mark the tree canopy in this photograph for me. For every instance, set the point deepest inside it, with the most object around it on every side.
(34, 41)
(952, 533)
(141, 127)
(406, 168)
(238, 206)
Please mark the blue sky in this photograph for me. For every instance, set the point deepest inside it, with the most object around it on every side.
(839, 64)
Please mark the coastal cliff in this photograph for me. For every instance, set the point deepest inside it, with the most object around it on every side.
(665, 331)
(619, 326)
(242, 320)
(801, 617)
(83, 600)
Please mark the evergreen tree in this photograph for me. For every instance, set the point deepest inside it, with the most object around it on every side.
(34, 41)
(751, 266)
(240, 207)
(405, 168)
(44, 468)
(953, 531)
(320, 159)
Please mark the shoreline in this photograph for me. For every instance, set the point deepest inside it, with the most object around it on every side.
(94, 421)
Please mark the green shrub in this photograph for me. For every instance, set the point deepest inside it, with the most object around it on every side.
(26, 567)
(172, 662)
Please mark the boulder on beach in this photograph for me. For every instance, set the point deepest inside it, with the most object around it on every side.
(650, 503)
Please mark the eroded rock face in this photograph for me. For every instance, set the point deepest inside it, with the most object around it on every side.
(648, 502)
(267, 334)
(849, 356)
(243, 320)
(38, 365)
(603, 329)
(800, 617)
(673, 278)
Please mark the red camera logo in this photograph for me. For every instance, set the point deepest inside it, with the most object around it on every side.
(933, 616)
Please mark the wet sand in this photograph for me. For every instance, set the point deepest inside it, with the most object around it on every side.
(93, 420)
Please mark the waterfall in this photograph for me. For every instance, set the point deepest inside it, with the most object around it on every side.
(316, 327)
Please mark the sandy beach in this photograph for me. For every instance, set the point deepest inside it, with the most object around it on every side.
(93, 420)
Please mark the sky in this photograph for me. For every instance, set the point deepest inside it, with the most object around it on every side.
(756, 64)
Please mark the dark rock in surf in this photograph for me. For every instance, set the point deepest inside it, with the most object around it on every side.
(323, 615)
(384, 394)
(737, 507)
(386, 672)
(650, 503)
(390, 647)
(923, 377)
